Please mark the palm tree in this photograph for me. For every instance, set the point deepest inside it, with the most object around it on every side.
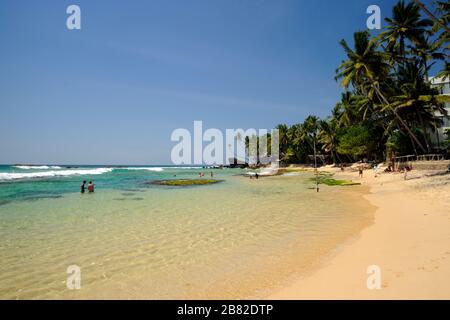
(417, 99)
(367, 71)
(352, 109)
(442, 31)
(427, 51)
(311, 125)
(329, 138)
(298, 147)
(346, 113)
(406, 23)
(364, 65)
(439, 23)
(283, 140)
(445, 73)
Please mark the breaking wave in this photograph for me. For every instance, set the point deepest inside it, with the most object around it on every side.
(159, 169)
(146, 168)
(48, 174)
(37, 167)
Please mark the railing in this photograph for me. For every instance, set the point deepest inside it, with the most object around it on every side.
(424, 157)
(430, 157)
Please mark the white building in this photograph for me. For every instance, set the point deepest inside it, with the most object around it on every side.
(444, 87)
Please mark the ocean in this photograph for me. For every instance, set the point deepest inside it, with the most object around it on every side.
(132, 239)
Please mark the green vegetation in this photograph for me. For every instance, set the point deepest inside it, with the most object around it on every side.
(388, 106)
(355, 142)
(334, 182)
(185, 182)
(447, 141)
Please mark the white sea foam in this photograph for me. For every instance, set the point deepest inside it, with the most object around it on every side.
(48, 174)
(182, 167)
(146, 168)
(159, 169)
(37, 167)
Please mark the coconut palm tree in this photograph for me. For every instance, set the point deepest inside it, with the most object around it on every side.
(445, 73)
(427, 51)
(352, 109)
(283, 140)
(311, 125)
(406, 23)
(367, 71)
(346, 111)
(417, 98)
(298, 147)
(363, 66)
(328, 137)
(442, 32)
(443, 21)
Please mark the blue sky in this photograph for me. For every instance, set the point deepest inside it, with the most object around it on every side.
(112, 92)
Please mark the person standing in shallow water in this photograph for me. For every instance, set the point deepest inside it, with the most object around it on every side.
(83, 186)
(90, 187)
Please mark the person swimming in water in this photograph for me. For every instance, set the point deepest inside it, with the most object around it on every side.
(83, 186)
(90, 187)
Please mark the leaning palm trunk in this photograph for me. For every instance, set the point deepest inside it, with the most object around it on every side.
(424, 129)
(404, 124)
(432, 16)
(438, 139)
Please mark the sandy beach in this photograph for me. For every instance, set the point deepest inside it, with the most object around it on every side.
(409, 241)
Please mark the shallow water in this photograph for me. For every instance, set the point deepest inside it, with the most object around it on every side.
(237, 239)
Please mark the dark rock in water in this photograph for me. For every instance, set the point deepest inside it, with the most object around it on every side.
(119, 199)
(137, 199)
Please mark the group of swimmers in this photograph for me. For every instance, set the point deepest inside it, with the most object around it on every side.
(90, 187)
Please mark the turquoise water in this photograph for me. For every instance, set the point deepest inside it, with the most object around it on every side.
(27, 183)
(237, 239)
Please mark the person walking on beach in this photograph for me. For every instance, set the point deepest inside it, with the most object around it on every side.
(360, 170)
(90, 187)
(83, 186)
